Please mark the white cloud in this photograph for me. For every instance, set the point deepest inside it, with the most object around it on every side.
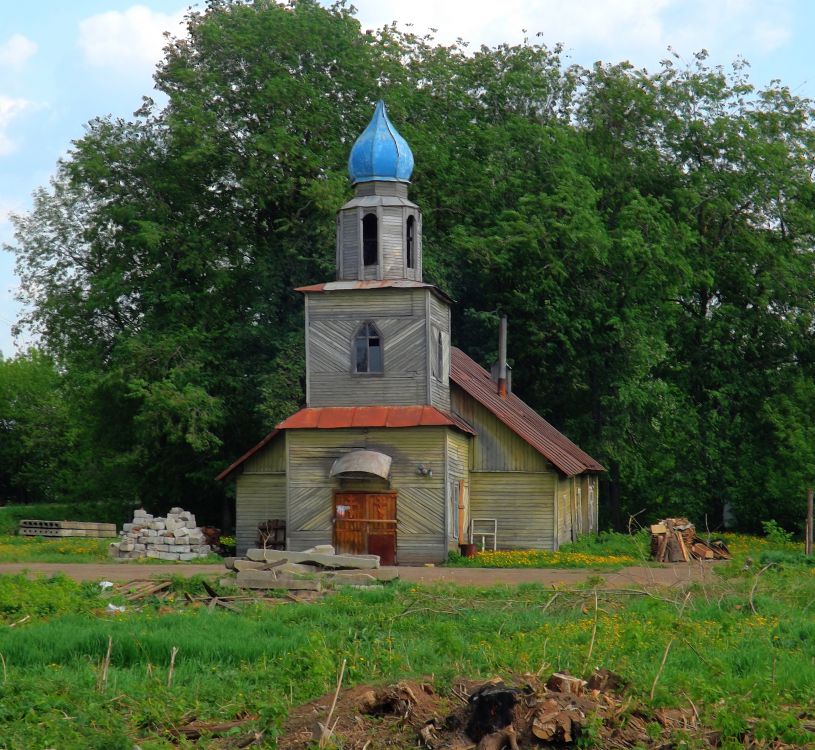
(16, 50)
(637, 30)
(10, 109)
(129, 40)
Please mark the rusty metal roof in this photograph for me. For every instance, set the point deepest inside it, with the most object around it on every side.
(342, 286)
(246, 456)
(524, 421)
(337, 417)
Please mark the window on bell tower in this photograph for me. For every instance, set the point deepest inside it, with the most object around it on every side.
(410, 241)
(367, 353)
(370, 240)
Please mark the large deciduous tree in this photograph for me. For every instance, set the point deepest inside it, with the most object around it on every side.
(649, 235)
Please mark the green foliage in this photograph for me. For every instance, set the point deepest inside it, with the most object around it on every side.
(784, 558)
(637, 545)
(775, 534)
(44, 597)
(99, 512)
(648, 235)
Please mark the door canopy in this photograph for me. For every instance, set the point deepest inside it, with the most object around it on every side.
(362, 462)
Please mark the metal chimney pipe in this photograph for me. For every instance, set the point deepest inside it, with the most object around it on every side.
(502, 357)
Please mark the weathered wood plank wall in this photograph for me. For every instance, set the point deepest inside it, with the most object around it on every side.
(260, 492)
(334, 318)
(420, 501)
(509, 480)
(496, 447)
(458, 465)
(440, 382)
(521, 503)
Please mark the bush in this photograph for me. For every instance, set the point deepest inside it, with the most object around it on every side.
(775, 534)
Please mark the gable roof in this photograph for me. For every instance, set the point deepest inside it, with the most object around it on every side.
(524, 421)
(338, 417)
(246, 456)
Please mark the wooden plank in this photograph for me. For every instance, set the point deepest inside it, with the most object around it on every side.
(682, 546)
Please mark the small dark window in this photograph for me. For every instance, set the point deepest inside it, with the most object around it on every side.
(367, 349)
(410, 240)
(440, 355)
(370, 241)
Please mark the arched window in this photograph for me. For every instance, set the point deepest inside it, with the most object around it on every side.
(367, 352)
(410, 241)
(370, 240)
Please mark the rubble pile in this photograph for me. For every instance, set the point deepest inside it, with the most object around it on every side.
(310, 571)
(174, 537)
(675, 540)
(519, 714)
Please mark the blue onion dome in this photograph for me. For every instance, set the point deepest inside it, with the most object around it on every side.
(380, 153)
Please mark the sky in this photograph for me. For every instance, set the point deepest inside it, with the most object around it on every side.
(63, 63)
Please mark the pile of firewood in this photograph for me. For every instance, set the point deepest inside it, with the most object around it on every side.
(675, 540)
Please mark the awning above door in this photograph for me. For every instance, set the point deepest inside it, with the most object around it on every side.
(362, 462)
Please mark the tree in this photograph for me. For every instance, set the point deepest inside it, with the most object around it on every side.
(649, 236)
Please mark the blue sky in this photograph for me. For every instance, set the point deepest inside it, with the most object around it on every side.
(62, 63)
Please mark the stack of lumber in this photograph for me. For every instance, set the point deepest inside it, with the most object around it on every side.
(59, 529)
(311, 570)
(675, 540)
(175, 537)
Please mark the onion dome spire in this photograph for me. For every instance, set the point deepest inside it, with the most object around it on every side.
(380, 153)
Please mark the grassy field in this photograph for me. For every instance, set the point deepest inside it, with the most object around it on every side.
(17, 549)
(741, 649)
(612, 551)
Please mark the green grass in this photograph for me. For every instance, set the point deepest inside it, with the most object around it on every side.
(610, 550)
(17, 549)
(27, 549)
(733, 663)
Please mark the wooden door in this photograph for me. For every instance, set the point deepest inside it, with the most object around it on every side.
(365, 524)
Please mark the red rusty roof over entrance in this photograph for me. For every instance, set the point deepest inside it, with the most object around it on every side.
(337, 417)
(524, 421)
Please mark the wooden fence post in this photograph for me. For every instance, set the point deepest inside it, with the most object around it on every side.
(808, 543)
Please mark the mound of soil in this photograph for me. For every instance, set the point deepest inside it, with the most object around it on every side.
(515, 714)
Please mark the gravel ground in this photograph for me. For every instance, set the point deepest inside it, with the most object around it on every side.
(677, 574)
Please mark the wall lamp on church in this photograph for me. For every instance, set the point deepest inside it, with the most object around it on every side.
(424, 471)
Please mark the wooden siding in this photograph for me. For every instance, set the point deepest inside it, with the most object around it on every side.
(259, 497)
(420, 500)
(495, 447)
(350, 244)
(440, 382)
(391, 223)
(458, 462)
(391, 249)
(520, 502)
(271, 460)
(564, 511)
(333, 319)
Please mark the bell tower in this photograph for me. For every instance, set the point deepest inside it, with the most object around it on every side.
(378, 335)
(379, 231)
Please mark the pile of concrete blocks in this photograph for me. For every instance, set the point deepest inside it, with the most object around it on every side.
(175, 537)
(311, 570)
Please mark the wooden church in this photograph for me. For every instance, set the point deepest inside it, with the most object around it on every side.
(406, 447)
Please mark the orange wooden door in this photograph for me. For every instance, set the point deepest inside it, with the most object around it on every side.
(365, 523)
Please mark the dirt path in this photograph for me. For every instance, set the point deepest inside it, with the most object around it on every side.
(672, 575)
